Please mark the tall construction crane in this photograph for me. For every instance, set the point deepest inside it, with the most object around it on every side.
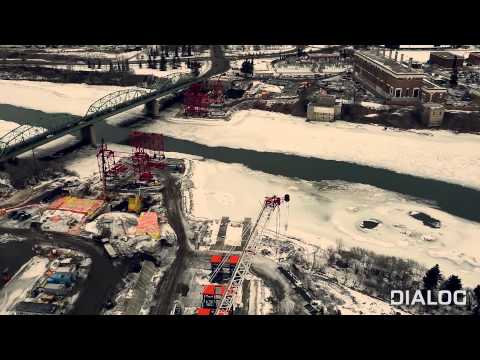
(269, 206)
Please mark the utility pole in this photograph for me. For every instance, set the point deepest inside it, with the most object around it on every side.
(104, 171)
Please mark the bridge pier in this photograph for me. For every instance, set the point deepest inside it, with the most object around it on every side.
(152, 108)
(88, 135)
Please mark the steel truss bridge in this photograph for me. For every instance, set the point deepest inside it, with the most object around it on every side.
(27, 137)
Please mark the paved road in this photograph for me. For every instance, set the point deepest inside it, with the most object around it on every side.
(103, 276)
(136, 62)
(167, 289)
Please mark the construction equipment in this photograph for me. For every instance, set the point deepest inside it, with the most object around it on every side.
(135, 204)
(228, 293)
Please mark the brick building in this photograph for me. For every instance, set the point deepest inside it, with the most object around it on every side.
(474, 58)
(433, 93)
(394, 81)
(445, 59)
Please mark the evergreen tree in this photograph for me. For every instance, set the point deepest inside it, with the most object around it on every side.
(432, 278)
(140, 64)
(195, 67)
(476, 292)
(163, 63)
(453, 283)
(176, 51)
(247, 67)
(110, 65)
(166, 51)
(99, 63)
(189, 50)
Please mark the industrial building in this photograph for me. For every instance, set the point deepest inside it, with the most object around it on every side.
(323, 107)
(35, 308)
(446, 59)
(432, 92)
(474, 58)
(432, 114)
(387, 76)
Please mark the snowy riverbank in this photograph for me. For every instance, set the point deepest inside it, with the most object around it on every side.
(53, 97)
(440, 155)
(323, 213)
(327, 212)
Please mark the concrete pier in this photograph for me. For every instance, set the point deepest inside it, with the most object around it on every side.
(88, 135)
(152, 108)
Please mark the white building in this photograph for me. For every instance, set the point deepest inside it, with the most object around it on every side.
(432, 114)
(323, 108)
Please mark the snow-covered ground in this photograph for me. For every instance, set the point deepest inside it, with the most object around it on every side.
(7, 126)
(88, 53)
(352, 302)
(17, 288)
(183, 69)
(439, 155)
(424, 55)
(262, 49)
(258, 87)
(53, 97)
(324, 213)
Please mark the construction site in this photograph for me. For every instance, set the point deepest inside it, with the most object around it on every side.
(167, 240)
(126, 209)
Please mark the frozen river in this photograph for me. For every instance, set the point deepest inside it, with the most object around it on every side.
(439, 198)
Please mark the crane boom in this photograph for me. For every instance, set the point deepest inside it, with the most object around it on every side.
(243, 267)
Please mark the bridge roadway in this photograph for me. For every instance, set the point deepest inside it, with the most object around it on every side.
(9, 151)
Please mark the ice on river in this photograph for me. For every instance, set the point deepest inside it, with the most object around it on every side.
(323, 213)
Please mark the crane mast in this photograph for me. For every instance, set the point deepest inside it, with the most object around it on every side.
(269, 206)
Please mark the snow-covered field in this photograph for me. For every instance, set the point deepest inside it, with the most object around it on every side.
(263, 49)
(424, 55)
(88, 53)
(324, 213)
(52, 97)
(7, 126)
(356, 303)
(431, 154)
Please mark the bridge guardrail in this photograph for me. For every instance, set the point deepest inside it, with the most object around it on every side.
(26, 134)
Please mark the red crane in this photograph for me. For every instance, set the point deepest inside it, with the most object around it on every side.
(226, 297)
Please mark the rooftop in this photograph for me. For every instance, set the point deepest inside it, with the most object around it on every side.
(390, 64)
(430, 85)
(35, 308)
(432, 105)
(445, 55)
